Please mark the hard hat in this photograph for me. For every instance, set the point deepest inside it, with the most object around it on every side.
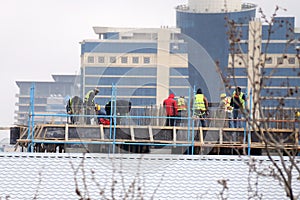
(96, 90)
(97, 107)
(223, 95)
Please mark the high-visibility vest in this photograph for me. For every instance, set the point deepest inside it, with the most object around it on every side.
(199, 102)
(69, 106)
(297, 114)
(181, 104)
(226, 102)
(242, 101)
(87, 96)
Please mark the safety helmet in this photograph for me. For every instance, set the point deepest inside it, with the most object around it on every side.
(97, 107)
(96, 90)
(223, 95)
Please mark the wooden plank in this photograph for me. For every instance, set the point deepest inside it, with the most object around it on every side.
(5, 128)
(101, 131)
(297, 136)
(40, 128)
(221, 135)
(150, 133)
(174, 134)
(201, 135)
(165, 127)
(132, 133)
(39, 132)
(67, 132)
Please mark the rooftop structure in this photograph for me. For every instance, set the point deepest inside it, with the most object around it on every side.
(215, 6)
(97, 176)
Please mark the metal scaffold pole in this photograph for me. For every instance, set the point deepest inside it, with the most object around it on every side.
(112, 127)
(193, 122)
(189, 121)
(249, 131)
(30, 135)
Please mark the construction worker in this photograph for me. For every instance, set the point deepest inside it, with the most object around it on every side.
(123, 108)
(182, 111)
(69, 110)
(74, 107)
(297, 125)
(200, 107)
(226, 109)
(101, 119)
(238, 103)
(90, 104)
(170, 106)
(297, 119)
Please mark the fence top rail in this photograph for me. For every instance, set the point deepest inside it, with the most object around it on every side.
(164, 127)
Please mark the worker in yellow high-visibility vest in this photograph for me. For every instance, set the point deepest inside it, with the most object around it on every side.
(74, 107)
(226, 108)
(238, 103)
(182, 111)
(200, 107)
(89, 102)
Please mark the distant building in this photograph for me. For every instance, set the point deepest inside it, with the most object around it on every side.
(206, 22)
(145, 65)
(279, 77)
(49, 98)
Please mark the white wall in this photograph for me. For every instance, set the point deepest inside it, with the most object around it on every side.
(213, 6)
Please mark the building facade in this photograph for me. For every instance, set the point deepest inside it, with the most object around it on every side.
(215, 25)
(271, 54)
(139, 65)
(205, 22)
(49, 98)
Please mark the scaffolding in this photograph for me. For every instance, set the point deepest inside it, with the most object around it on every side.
(114, 138)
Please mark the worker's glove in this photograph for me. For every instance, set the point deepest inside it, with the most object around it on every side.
(207, 112)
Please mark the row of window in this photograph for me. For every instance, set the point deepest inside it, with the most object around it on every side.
(281, 60)
(121, 71)
(132, 71)
(271, 82)
(278, 71)
(274, 61)
(122, 59)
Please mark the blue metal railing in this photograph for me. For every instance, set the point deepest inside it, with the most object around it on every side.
(190, 142)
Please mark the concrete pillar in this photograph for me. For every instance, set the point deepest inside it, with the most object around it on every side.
(254, 65)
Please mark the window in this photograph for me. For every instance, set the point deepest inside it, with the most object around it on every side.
(135, 60)
(279, 60)
(124, 59)
(146, 60)
(101, 59)
(112, 59)
(291, 60)
(269, 60)
(90, 59)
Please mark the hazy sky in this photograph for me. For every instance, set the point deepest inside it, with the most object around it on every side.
(41, 37)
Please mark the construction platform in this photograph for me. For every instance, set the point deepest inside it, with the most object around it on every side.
(141, 139)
